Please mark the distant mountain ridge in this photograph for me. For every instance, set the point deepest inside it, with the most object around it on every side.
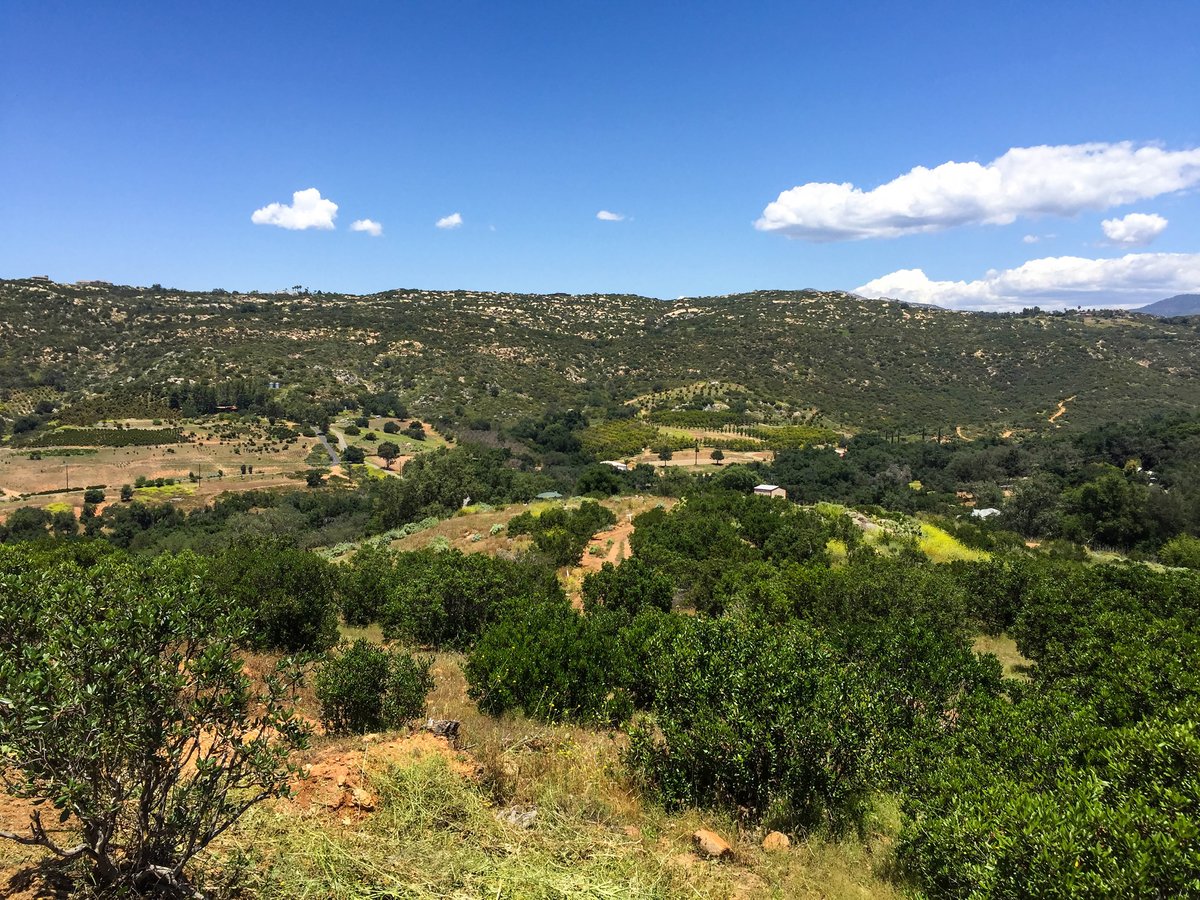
(1179, 305)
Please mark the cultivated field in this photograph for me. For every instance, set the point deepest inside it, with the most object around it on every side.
(215, 454)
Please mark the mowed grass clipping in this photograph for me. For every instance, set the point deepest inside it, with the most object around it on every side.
(941, 546)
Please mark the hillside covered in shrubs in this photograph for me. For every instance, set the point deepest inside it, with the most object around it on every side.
(800, 355)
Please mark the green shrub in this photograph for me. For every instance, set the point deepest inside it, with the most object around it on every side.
(629, 588)
(561, 535)
(364, 583)
(552, 663)
(26, 523)
(93, 495)
(446, 598)
(522, 523)
(290, 595)
(768, 719)
(1036, 801)
(127, 710)
(1182, 550)
(368, 688)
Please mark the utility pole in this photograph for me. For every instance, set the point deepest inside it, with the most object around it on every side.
(67, 469)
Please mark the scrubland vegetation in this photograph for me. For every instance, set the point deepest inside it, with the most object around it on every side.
(433, 674)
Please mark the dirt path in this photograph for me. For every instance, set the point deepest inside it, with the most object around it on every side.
(961, 435)
(613, 542)
(1062, 408)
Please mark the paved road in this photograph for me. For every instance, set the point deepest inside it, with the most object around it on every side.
(334, 459)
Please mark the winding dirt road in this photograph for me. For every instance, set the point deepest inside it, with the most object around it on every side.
(1062, 408)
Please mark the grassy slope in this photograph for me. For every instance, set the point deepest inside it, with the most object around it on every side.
(436, 832)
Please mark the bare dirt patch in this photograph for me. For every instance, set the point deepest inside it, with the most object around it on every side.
(336, 778)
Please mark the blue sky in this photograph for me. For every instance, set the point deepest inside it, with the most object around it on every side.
(138, 139)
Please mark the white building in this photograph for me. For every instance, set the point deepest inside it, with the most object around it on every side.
(770, 490)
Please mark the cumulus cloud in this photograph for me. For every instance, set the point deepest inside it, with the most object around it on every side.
(1030, 239)
(1129, 280)
(454, 220)
(605, 216)
(1025, 181)
(1134, 229)
(370, 226)
(308, 210)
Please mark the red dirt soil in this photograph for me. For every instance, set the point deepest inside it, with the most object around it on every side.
(336, 779)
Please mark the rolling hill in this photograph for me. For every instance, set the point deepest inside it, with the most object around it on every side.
(860, 363)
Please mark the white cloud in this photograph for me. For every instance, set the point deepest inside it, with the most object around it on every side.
(605, 216)
(308, 210)
(454, 220)
(371, 227)
(1030, 239)
(1135, 229)
(1025, 181)
(1128, 280)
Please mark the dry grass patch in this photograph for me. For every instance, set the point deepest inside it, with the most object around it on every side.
(1005, 649)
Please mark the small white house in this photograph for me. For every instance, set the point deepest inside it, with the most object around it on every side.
(770, 490)
(616, 464)
(986, 513)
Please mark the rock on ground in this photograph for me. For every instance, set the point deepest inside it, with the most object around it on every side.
(776, 840)
(711, 844)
